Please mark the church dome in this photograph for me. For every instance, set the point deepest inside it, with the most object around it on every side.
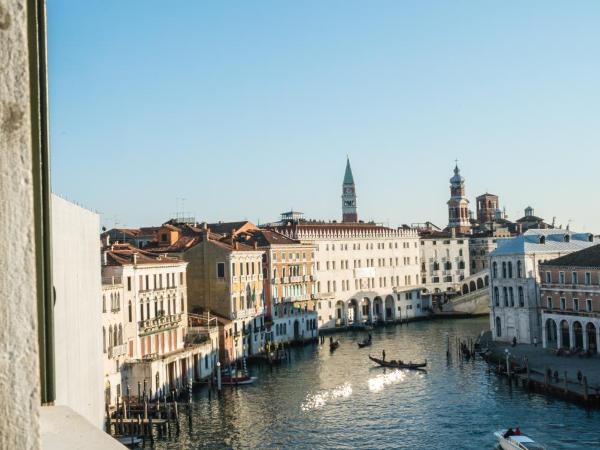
(457, 179)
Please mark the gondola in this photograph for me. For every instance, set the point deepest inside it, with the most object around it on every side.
(333, 346)
(363, 344)
(398, 364)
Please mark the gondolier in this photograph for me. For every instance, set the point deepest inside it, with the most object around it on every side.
(383, 354)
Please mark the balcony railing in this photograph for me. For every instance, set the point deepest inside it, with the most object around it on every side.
(160, 321)
(570, 312)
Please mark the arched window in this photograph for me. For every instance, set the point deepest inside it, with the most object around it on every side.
(461, 265)
(503, 269)
(495, 270)
(141, 311)
(104, 303)
(120, 334)
(497, 296)
(103, 340)
(110, 338)
(512, 296)
(519, 269)
(505, 292)
(115, 336)
(498, 327)
(521, 297)
(510, 271)
(448, 265)
(174, 305)
(436, 266)
(182, 305)
(129, 311)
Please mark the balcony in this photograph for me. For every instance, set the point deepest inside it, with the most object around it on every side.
(285, 280)
(162, 321)
(296, 279)
(109, 281)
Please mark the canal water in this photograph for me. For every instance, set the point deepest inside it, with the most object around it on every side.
(342, 401)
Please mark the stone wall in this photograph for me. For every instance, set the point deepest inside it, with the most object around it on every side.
(19, 373)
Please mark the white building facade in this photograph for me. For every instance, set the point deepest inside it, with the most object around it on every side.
(365, 273)
(515, 310)
(444, 263)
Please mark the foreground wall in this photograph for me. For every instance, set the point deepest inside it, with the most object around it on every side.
(19, 373)
(77, 309)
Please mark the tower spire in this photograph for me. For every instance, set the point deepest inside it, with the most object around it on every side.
(349, 213)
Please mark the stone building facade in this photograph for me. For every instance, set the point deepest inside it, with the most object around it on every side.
(514, 289)
(570, 301)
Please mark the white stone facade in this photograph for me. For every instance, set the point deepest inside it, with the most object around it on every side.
(444, 263)
(515, 310)
(362, 270)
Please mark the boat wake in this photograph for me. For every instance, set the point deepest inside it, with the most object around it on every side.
(379, 382)
(320, 399)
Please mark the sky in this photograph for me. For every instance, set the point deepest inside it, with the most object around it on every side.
(247, 109)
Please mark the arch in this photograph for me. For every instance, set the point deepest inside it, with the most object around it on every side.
(479, 283)
(353, 311)
(472, 286)
(340, 313)
(519, 269)
(366, 309)
(389, 307)
(577, 334)
(465, 289)
(498, 327)
(496, 296)
(590, 329)
(378, 309)
(486, 280)
(115, 336)
(551, 333)
(495, 269)
(510, 269)
(120, 334)
(565, 338)
(521, 297)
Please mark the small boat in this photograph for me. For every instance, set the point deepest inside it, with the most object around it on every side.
(228, 380)
(334, 345)
(130, 441)
(517, 442)
(365, 343)
(398, 364)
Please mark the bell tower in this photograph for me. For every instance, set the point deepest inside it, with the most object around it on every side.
(458, 205)
(349, 196)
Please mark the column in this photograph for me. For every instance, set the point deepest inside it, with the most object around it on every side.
(371, 309)
(571, 335)
(544, 337)
(585, 336)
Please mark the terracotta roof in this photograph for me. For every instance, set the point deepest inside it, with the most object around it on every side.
(589, 257)
(122, 254)
(265, 238)
(229, 227)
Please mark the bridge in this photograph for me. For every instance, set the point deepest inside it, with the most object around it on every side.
(474, 297)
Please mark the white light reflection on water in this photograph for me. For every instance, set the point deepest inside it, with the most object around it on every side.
(380, 381)
(320, 399)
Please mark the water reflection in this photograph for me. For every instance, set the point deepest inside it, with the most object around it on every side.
(342, 400)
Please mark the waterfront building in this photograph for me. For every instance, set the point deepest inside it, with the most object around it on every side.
(444, 260)
(145, 331)
(459, 217)
(514, 288)
(138, 237)
(225, 276)
(363, 270)
(289, 275)
(570, 300)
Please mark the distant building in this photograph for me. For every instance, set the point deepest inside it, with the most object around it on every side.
(349, 212)
(365, 272)
(570, 300)
(487, 208)
(531, 221)
(138, 237)
(458, 205)
(515, 305)
(444, 263)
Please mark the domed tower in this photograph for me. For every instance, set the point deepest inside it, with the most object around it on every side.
(349, 196)
(458, 205)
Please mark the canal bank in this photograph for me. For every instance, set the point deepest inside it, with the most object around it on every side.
(342, 400)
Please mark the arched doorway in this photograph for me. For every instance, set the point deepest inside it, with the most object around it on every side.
(479, 283)
(365, 309)
(340, 314)
(578, 334)
(551, 333)
(498, 327)
(465, 289)
(352, 311)
(389, 308)
(486, 280)
(472, 286)
(590, 329)
(378, 309)
(296, 329)
(565, 339)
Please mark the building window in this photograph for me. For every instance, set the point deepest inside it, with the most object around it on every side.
(563, 302)
(549, 302)
(575, 304)
(588, 278)
(561, 278)
(503, 269)
(519, 269)
(129, 311)
(521, 297)
(104, 303)
(505, 292)
(512, 296)
(574, 278)
(497, 296)
(510, 270)
(588, 305)
(103, 340)
(495, 269)
(220, 270)
(129, 283)
(548, 277)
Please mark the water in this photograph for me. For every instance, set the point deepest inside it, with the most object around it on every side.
(340, 400)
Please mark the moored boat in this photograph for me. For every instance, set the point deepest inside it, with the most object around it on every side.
(398, 364)
(517, 442)
(363, 344)
(237, 380)
(333, 345)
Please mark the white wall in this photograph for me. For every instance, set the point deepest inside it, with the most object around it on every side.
(78, 309)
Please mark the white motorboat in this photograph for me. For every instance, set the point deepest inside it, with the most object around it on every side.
(517, 442)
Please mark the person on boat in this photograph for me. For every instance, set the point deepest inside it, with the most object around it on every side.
(517, 431)
(383, 354)
(514, 341)
(509, 433)
(579, 376)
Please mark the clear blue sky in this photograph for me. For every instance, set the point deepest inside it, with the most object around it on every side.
(248, 108)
